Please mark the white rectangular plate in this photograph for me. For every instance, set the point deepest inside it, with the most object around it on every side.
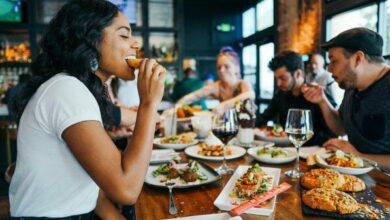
(224, 201)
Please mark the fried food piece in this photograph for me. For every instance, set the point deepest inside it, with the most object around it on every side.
(189, 176)
(173, 173)
(316, 178)
(330, 200)
(352, 184)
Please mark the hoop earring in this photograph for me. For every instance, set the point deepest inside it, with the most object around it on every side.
(94, 64)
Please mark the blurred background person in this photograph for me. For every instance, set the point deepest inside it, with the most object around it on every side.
(289, 75)
(229, 89)
(317, 73)
(189, 84)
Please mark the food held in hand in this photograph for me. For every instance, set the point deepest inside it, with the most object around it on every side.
(341, 159)
(330, 200)
(272, 152)
(133, 62)
(181, 173)
(254, 182)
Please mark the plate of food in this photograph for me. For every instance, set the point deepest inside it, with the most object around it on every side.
(273, 155)
(176, 142)
(255, 143)
(326, 192)
(214, 152)
(273, 134)
(246, 182)
(184, 175)
(346, 163)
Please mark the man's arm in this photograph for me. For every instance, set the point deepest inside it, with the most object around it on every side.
(314, 93)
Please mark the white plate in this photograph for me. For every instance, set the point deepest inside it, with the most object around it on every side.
(262, 135)
(346, 170)
(172, 146)
(236, 153)
(291, 156)
(163, 155)
(224, 201)
(208, 171)
(255, 143)
(311, 150)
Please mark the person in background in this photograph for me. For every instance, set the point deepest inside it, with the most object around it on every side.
(288, 70)
(319, 75)
(357, 65)
(189, 84)
(229, 89)
(64, 154)
(23, 79)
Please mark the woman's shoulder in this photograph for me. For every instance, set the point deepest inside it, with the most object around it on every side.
(63, 81)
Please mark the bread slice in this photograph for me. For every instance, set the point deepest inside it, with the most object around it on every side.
(330, 200)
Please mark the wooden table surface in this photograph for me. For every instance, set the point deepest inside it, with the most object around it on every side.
(153, 201)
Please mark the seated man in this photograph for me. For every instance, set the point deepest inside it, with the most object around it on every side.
(288, 71)
(357, 65)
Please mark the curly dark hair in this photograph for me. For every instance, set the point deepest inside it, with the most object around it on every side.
(289, 59)
(70, 43)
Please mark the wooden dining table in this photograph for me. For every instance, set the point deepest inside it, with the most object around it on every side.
(153, 201)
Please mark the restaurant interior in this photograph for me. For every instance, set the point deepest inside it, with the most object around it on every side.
(187, 36)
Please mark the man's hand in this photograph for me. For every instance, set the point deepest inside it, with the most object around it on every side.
(339, 144)
(313, 93)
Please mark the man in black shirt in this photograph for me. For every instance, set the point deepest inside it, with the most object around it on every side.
(357, 65)
(288, 71)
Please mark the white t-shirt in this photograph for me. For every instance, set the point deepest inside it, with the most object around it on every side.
(48, 180)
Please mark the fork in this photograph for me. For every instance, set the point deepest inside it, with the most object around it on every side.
(172, 207)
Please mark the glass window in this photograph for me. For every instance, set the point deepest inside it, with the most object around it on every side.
(249, 64)
(266, 53)
(387, 28)
(161, 13)
(131, 8)
(249, 59)
(163, 46)
(265, 14)
(47, 9)
(359, 17)
(248, 22)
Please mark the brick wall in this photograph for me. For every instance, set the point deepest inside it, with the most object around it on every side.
(299, 25)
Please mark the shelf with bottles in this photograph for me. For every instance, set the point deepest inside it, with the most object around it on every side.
(15, 47)
(163, 46)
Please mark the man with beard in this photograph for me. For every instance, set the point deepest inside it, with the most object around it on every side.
(289, 75)
(357, 65)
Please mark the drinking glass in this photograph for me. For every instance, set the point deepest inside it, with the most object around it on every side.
(299, 129)
(225, 127)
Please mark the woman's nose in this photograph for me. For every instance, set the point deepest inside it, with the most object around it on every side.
(135, 45)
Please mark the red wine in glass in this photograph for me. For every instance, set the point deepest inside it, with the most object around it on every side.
(223, 135)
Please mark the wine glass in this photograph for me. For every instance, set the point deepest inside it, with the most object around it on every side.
(225, 127)
(299, 129)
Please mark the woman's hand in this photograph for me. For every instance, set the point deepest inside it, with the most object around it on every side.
(339, 144)
(151, 82)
